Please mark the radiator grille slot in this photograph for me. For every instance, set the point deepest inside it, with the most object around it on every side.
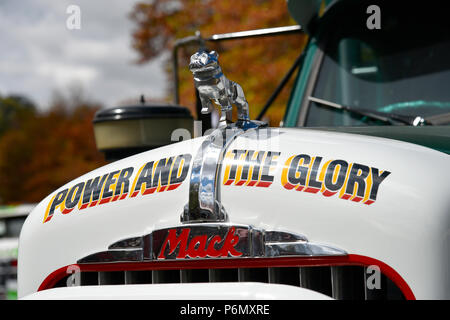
(253, 275)
(89, 278)
(317, 279)
(166, 276)
(290, 276)
(348, 283)
(339, 282)
(138, 277)
(223, 275)
(194, 275)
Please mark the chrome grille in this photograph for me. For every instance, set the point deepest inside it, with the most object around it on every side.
(339, 282)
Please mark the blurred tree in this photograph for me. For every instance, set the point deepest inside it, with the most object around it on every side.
(13, 110)
(257, 64)
(47, 150)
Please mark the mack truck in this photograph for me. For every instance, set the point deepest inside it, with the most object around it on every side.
(349, 198)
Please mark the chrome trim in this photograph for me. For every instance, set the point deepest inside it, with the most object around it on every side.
(254, 33)
(127, 243)
(301, 248)
(204, 195)
(122, 255)
(280, 236)
(204, 192)
(248, 241)
(202, 204)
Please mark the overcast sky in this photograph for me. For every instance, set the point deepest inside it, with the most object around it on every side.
(39, 54)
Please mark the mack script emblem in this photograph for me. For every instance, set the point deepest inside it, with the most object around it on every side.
(199, 246)
(200, 242)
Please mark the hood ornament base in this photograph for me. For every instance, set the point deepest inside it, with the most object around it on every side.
(204, 194)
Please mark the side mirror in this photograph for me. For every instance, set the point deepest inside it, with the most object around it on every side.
(123, 131)
(304, 12)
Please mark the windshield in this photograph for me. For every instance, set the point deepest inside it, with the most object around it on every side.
(402, 68)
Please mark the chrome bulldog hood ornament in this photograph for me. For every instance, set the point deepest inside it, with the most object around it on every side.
(206, 231)
(212, 85)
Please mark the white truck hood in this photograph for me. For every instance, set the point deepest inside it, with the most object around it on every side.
(402, 222)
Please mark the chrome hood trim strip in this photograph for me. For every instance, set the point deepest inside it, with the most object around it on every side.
(204, 194)
(211, 241)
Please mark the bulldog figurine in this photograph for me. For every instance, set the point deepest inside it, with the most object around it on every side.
(212, 84)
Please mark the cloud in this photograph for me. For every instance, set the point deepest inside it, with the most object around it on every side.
(39, 54)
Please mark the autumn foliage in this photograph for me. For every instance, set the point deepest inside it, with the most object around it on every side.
(257, 64)
(41, 151)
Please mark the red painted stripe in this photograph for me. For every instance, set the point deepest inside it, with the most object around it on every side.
(149, 191)
(134, 194)
(66, 211)
(351, 259)
(106, 200)
(328, 193)
(312, 190)
(264, 184)
(289, 186)
(173, 186)
(357, 199)
(163, 188)
(251, 183)
(123, 196)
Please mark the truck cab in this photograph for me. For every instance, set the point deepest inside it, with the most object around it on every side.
(347, 199)
(384, 83)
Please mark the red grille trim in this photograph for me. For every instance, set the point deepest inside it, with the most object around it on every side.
(349, 260)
